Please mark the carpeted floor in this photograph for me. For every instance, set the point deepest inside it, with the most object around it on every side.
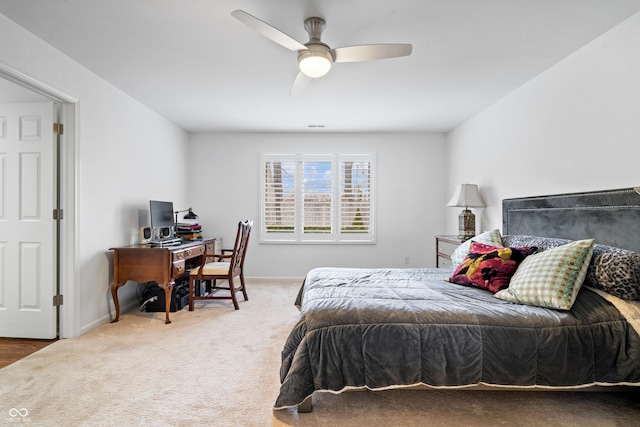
(219, 367)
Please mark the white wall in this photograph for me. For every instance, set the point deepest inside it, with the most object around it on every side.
(124, 151)
(575, 127)
(224, 189)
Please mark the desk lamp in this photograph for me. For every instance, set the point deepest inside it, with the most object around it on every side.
(189, 215)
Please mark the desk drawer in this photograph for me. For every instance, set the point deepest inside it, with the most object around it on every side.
(188, 253)
(211, 248)
(178, 268)
(214, 246)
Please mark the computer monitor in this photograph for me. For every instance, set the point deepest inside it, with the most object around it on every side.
(161, 214)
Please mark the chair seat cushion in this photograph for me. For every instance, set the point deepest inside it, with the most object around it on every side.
(212, 268)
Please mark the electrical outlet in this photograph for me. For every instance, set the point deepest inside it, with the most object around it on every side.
(407, 259)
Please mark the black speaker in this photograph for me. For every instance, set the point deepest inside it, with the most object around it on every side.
(165, 231)
(144, 235)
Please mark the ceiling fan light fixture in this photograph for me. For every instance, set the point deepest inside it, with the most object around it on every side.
(315, 63)
(315, 57)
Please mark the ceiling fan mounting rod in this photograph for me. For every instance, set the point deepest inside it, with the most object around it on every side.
(314, 26)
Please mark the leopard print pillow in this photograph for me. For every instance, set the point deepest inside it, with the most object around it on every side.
(616, 271)
(542, 243)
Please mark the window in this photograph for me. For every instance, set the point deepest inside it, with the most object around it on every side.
(317, 198)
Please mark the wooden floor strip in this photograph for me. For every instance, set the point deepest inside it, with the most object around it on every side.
(13, 349)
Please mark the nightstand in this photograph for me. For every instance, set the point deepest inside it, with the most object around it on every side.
(445, 245)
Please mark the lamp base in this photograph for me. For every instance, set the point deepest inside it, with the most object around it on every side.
(466, 225)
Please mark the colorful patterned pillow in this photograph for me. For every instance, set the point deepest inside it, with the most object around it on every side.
(551, 278)
(492, 238)
(489, 267)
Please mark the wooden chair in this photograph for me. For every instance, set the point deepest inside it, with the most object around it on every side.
(222, 270)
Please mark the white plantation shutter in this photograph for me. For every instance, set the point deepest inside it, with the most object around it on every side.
(279, 195)
(355, 197)
(317, 198)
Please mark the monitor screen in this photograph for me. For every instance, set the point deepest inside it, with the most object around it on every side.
(161, 214)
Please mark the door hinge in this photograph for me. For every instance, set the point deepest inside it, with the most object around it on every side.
(58, 128)
(57, 300)
(58, 214)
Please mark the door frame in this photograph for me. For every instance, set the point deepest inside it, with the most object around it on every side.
(69, 311)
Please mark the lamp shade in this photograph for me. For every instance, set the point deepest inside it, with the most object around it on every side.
(467, 195)
(190, 215)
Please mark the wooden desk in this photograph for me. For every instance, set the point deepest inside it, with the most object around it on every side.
(146, 263)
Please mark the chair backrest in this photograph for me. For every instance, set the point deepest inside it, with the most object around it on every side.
(240, 247)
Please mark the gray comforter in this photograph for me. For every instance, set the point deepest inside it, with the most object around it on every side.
(379, 328)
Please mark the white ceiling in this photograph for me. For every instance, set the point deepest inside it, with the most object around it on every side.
(204, 70)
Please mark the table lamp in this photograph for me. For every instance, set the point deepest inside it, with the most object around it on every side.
(466, 196)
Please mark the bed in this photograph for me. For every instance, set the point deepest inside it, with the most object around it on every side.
(387, 328)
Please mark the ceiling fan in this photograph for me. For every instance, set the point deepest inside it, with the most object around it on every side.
(315, 57)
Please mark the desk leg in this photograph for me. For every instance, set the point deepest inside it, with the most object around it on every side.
(114, 294)
(168, 287)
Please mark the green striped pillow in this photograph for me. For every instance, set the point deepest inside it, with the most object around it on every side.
(551, 278)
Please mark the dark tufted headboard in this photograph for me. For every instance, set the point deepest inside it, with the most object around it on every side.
(611, 217)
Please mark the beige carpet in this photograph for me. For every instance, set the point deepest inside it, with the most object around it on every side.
(219, 367)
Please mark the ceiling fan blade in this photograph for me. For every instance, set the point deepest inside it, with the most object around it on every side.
(268, 31)
(300, 84)
(370, 52)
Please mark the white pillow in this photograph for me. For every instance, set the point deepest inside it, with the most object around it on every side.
(492, 238)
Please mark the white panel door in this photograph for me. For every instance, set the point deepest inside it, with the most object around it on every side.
(27, 228)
